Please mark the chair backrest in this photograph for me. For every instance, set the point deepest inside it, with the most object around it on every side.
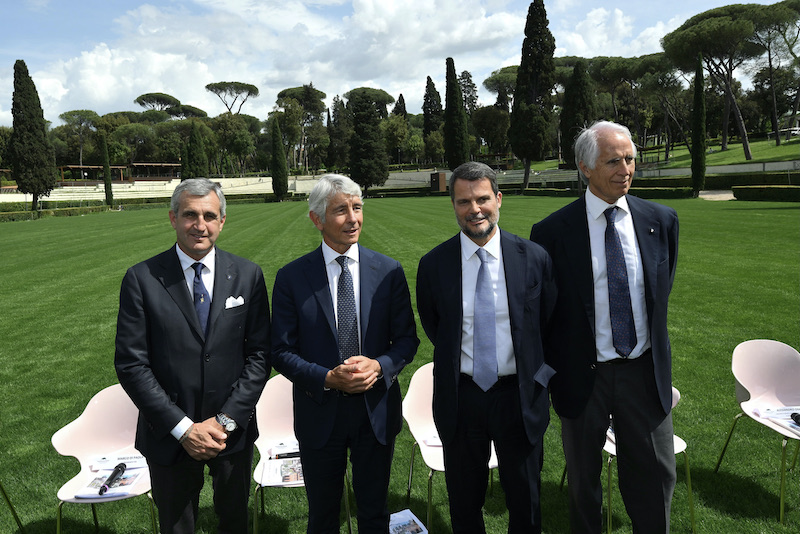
(275, 412)
(766, 367)
(107, 425)
(418, 401)
(676, 396)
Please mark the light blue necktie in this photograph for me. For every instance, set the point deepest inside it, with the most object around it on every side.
(346, 313)
(623, 330)
(484, 342)
(202, 301)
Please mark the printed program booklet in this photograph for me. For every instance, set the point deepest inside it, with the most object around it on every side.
(405, 522)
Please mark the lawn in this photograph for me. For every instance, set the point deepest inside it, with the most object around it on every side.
(59, 282)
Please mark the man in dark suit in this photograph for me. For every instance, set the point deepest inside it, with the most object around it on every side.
(195, 369)
(342, 331)
(484, 297)
(609, 342)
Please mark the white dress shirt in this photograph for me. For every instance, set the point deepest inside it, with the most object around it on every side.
(209, 264)
(470, 264)
(334, 271)
(595, 208)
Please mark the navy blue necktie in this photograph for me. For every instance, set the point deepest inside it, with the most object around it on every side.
(623, 329)
(202, 300)
(346, 313)
(484, 341)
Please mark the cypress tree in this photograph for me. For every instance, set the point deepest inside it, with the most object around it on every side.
(699, 131)
(369, 165)
(431, 109)
(578, 112)
(196, 157)
(400, 107)
(533, 100)
(456, 135)
(106, 169)
(279, 167)
(32, 156)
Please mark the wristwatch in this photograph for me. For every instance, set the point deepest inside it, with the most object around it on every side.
(227, 423)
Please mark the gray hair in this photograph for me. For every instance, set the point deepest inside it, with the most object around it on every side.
(326, 188)
(197, 187)
(473, 171)
(587, 148)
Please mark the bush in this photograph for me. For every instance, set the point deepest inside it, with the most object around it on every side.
(661, 192)
(774, 193)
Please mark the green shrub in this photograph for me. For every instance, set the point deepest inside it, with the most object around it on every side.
(774, 193)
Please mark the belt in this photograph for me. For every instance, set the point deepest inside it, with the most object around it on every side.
(624, 361)
(502, 381)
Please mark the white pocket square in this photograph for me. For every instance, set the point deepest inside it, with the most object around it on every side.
(231, 302)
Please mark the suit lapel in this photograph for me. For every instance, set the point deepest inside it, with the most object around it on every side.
(173, 280)
(224, 275)
(647, 235)
(317, 276)
(577, 250)
(369, 279)
(514, 269)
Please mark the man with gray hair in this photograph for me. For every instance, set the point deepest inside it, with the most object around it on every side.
(343, 329)
(484, 298)
(614, 258)
(192, 353)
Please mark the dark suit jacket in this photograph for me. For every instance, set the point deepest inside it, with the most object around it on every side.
(531, 294)
(571, 344)
(170, 370)
(305, 346)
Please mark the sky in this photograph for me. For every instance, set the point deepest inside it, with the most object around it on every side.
(102, 54)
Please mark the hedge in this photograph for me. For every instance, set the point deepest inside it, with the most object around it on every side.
(773, 193)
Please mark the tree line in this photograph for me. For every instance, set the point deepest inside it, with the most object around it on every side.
(540, 106)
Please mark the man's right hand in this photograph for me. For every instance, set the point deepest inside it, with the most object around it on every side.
(205, 440)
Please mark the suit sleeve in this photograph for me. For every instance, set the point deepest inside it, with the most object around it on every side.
(132, 360)
(245, 394)
(428, 315)
(403, 340)
(285, 346)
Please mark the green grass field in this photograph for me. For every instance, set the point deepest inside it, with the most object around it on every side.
(738, 278)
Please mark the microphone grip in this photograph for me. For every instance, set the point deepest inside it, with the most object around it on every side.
(113, 477)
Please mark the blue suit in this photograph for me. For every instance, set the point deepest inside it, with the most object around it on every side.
(637, 392)
(518, 426)
(305, 348)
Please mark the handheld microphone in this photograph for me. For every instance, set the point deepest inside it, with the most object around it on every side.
(796, 418)
(113, 477)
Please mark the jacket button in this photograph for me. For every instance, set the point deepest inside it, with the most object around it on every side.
(208, 357)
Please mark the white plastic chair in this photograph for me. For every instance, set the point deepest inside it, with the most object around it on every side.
(275, 418)
(680, 447)
(767, 373)
(106, 428)
(418, 413)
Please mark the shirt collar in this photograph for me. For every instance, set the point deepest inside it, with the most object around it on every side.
(468, 246)
(186, 261)
(595, 206)
(330, 255)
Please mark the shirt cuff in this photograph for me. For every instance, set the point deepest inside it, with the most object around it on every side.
(181, 428)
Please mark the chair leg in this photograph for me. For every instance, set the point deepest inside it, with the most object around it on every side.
(783, 474)
(94, 515)
(58, 517)
(608, 493)
(11, 507)
(430, 494)
(563, 478)
(689, 489)
(256, 511)
(410, 473)
(730, 433)
(347, 502)
(152, 512)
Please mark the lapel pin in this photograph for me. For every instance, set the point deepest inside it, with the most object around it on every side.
(652, 230)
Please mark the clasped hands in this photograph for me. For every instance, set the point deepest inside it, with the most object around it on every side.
(355, 375)
(205, 440)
